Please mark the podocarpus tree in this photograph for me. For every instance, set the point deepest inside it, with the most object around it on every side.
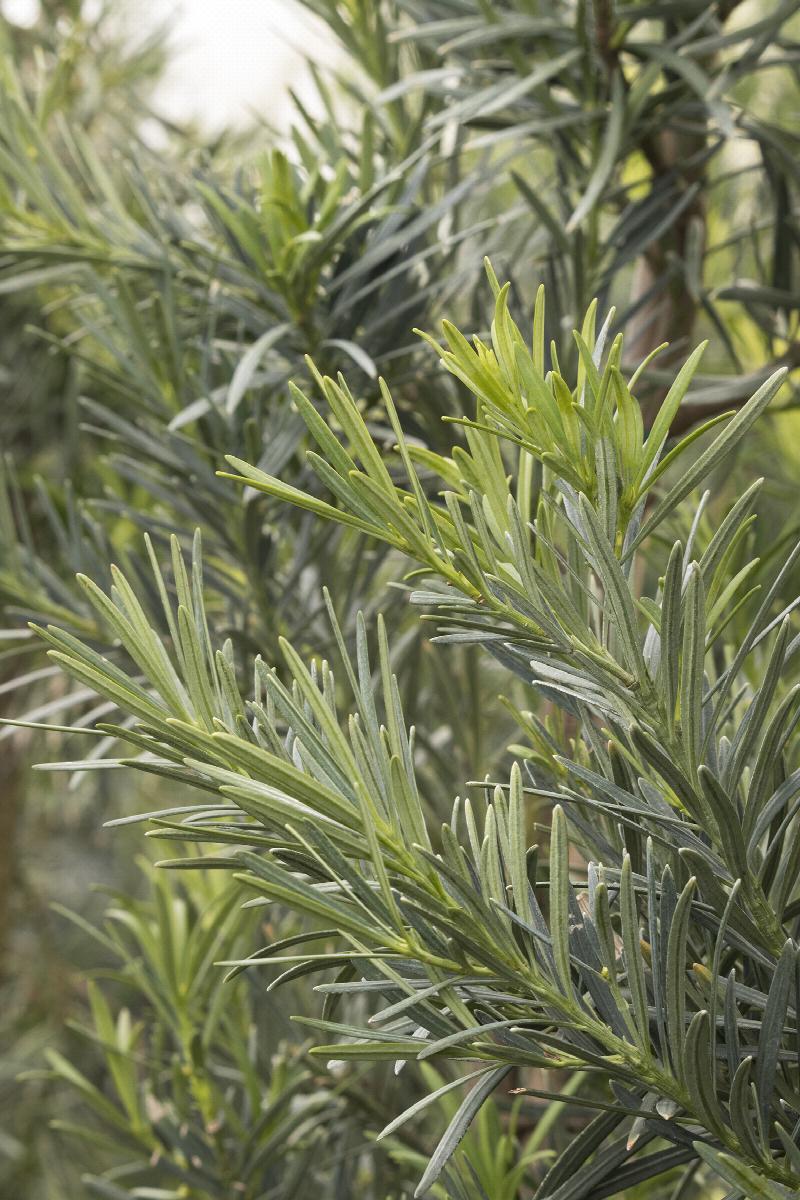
(663, 967)
(154, 282)
(595, 148)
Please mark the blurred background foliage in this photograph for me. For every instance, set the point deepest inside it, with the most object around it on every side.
(158, 290)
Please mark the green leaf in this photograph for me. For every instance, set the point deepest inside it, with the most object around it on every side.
(692, 666)
(659, 430)
(559, 898)
(243, 376)
(740, 1176)
(431, 1098)
(710, 458)
(772, 1029)
(458, 1127)
(608, 157)
(670, 634)
(262, 482)
(633, 955)
(616, 588)
(676, 979)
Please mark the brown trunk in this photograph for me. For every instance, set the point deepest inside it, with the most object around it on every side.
(670, 314)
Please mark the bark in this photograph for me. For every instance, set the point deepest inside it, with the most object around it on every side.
(671, 312)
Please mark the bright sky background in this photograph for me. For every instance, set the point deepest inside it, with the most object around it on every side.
(232, 59)
(236, 58)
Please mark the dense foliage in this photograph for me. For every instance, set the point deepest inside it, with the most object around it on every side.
(586, 966)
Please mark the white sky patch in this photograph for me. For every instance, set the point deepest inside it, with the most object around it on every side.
(233, 61)
(21, 12)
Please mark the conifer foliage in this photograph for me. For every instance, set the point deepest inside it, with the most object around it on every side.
(405, 937)
(664, 966)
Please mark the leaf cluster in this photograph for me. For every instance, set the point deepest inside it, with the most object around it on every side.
(666, 966)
